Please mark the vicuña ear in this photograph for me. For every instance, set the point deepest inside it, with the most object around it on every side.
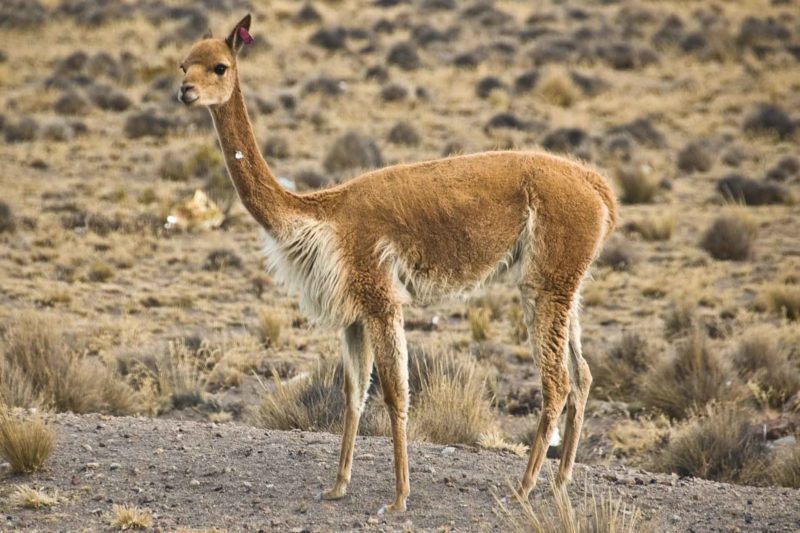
(240, 35)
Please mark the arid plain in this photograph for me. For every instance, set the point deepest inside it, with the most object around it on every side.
(124, 292)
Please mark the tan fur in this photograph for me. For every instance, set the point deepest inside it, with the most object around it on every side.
(357, 252)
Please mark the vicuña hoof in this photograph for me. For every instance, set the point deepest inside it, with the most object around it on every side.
(333, 494)
(392, 508)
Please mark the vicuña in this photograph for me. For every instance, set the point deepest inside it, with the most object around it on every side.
(357, 252)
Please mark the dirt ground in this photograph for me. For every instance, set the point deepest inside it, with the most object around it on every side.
(234, 477)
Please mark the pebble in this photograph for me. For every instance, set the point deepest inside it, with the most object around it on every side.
(86, 447)
(448, 450)
(675, 519)
(194, 483)
(247, 484)
(114, 466)
(91, 466)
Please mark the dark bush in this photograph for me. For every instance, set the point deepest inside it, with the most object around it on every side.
(617, 254)
(745, 190)
(511, 121)
(57, 130)
(569, 140)
(108, 98)
(277, 147)
(324, 85)
(590, 85)
(333, 38)
(404, 133)
(487, 84)
(8, 223)
(308, 179)
(221, 260)
(729, 238)
(616, 374)
(71, 103)
(425, 34)
(696, 156)
(147, 123)
(352, 151)
(694, 376)
(404, 55)
(787, 167)
(307, 14)
(770, 119)
(393, 92)
(377, 73)
(718, 444)
(642, 131)
(526, 81)
(22, 130)
(469, 59)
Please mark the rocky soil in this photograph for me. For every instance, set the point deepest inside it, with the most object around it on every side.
(234, 477)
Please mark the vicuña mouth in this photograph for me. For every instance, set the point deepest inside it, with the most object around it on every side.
(188, 99)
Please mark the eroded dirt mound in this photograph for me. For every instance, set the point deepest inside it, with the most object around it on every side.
(195, 475)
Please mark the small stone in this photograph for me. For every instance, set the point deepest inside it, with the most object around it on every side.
(114, 466)
(194, 483)
(448, 450)
(247, 484)
(675, 519)
(86, 447)
(92, 466)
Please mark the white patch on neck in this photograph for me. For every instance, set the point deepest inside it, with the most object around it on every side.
(307, 261)
(238, 154)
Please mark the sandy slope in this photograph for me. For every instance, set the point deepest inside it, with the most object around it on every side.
(243, 478)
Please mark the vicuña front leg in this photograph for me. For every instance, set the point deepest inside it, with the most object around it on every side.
(391, 356)
(357, 362)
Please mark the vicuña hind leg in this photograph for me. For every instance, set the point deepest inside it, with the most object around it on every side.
(357, 359)
(581, 378)
(548, 331)
(391, 356)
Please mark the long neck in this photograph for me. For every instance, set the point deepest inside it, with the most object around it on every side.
(268, 202)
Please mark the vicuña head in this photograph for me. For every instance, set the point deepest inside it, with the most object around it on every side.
(210, 68)
(358, 252)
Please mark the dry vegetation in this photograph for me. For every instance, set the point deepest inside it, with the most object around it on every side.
(124, 292)
(606, 514)
(25, 442)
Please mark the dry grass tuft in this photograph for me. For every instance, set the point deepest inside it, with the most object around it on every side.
(680, 318)
(180, 378)
(126, 517)
(730, 237)
(638, 185)
(452, 405)
(449, 401)
(494, 440)
(617, 374)
(783, 300)
(784, 470)
(557, 88)
(694, 376)
(656, 228)
(42, 367)
(480, 320)
(760, 359)
(30, 498)
(25, 443)
(717, 444)
(604, 515)
(270, 324)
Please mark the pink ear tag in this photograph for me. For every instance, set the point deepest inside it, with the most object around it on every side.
(246, 37)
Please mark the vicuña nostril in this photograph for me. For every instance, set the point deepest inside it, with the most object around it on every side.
(185, 88)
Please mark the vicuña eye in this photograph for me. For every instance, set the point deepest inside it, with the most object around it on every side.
(220, 69)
